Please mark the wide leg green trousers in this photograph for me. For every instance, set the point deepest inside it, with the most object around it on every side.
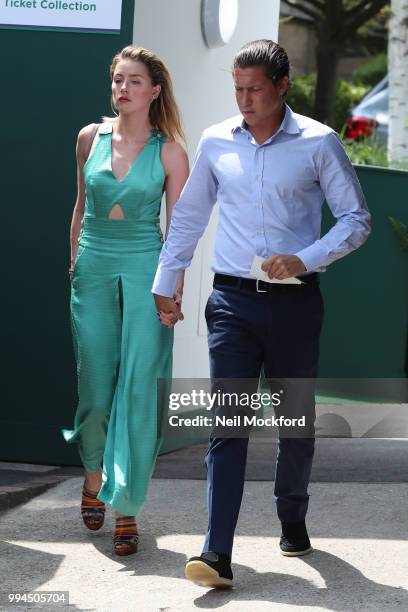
(122, 350)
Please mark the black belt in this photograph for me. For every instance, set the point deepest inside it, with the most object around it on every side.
(259, 286)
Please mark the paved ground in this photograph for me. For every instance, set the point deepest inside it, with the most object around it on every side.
(359, 532)
(358, 522)
(19, 482)
(336, 460)
(358, 442)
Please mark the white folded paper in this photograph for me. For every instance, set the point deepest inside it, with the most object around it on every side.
(257, 271)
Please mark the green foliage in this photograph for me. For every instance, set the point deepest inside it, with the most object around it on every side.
(367, 151)
(301, 97)
(302, 93)
(372, 72)
(347, 96)
(401, 231)
(377, 26)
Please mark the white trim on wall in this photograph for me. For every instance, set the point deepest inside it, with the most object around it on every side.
(204, 90)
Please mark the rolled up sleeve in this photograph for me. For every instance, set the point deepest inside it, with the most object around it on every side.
(345, 198)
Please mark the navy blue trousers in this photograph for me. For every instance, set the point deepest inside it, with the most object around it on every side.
(248, 331)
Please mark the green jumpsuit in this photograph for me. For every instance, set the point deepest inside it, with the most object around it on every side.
(121, 347)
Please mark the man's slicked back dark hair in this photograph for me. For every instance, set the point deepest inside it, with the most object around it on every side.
(266, 53)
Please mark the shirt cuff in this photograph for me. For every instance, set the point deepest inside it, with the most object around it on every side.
(313, 257)
(165, 282)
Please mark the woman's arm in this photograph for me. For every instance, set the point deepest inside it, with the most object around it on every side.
(84, 143)
(175, 162)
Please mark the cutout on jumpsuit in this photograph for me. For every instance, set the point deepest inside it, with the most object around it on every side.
(116, 212)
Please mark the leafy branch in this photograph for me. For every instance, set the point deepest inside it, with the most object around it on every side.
(401, 231)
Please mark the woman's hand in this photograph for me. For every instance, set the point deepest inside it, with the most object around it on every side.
(169, 319)
(167, 310)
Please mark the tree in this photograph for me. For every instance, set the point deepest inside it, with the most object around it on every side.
(336, 22)
(398, 79)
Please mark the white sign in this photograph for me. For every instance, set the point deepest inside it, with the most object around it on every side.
(99, 16)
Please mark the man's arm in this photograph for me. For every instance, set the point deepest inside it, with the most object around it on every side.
(343, 193)
(190, 217)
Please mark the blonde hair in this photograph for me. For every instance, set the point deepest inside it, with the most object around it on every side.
(163, 113)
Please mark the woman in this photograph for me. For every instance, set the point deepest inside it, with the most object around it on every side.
(123, 167)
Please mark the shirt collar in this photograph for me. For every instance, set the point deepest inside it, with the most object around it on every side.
(289, 123)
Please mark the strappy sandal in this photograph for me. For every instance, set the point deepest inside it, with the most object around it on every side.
(126, 536)
(92, 510)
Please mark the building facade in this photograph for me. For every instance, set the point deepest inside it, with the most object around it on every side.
(57, 82)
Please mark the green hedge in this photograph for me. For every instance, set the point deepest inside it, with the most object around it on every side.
(367, 152)
(370, 152)
(372, 72)
(348, 95)
(301, 94)
(301, 97)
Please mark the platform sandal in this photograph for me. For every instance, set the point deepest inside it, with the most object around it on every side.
(126, 536)
(92, 510)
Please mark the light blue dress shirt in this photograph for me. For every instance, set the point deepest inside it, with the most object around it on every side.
(270, 198)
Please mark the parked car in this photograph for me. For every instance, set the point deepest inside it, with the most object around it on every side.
(370, 116)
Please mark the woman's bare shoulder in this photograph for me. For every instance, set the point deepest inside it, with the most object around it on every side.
(86, 132)
(173, 152)
(85, 137)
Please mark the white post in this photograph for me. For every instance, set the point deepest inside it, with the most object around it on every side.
(398, 78)
(204, 90)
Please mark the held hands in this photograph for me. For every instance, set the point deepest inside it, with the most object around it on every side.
(178, 295)
(166, 311)
(169, 309)
(283, 266)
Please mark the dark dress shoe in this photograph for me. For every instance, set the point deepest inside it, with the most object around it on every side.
(210, 569)
(294, 541)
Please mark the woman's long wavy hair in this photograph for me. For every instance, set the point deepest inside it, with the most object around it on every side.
(164, 113)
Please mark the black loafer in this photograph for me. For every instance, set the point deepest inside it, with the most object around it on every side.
(210, 569)
(294, 541)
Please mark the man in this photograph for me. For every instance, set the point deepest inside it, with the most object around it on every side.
(270, 171)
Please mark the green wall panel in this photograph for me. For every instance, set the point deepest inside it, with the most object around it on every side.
(366, 306)
(53, 83)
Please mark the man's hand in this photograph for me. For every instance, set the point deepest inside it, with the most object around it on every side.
(178, 294)
(283, 266)
(167, 310)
